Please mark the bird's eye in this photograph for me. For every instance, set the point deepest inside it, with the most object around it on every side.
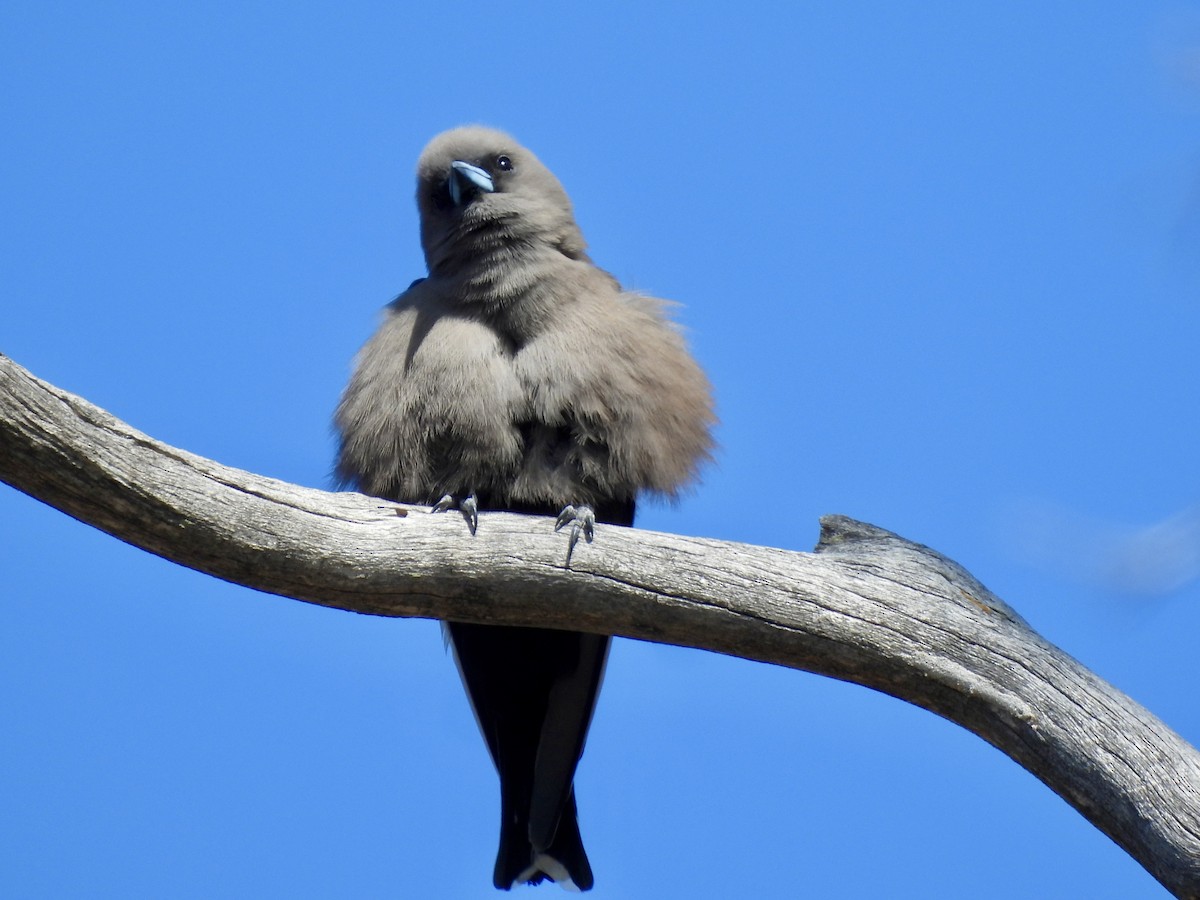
(503, 163)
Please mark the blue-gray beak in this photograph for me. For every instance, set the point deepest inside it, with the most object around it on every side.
(466, 179)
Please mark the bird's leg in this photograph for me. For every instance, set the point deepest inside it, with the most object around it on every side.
(582, 520)
(468, 506)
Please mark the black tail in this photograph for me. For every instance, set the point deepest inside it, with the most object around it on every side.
(564, 861)
(533, 691)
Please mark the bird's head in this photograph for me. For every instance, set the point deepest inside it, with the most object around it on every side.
(479, 190)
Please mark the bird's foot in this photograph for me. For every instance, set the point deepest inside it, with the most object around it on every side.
(582, 521)
(468, 506)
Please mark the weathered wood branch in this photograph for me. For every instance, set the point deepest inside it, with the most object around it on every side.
(867, 606)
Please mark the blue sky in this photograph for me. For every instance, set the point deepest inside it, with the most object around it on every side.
(939, 260)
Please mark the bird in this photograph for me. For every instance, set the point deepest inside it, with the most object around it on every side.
(517, 375)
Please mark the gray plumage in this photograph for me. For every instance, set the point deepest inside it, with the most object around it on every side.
(519, 375)
(518, 368)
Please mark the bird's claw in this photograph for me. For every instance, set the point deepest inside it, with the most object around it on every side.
(582, 521)
(469, 507)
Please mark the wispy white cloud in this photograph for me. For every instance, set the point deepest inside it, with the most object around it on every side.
(1148, 561)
